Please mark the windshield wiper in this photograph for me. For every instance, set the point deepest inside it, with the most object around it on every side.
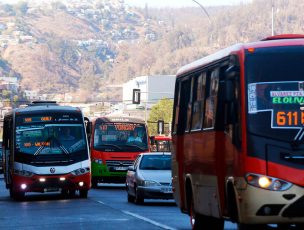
(141, 148)
(111, 145)
(298, 140)
(56, 140)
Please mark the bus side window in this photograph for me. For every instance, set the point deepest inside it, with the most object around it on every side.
(176, 106)
(211, 100)
(184, 100)
(190, 100)
(198, 102)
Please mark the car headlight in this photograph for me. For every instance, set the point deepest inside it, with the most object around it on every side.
(267, 182)
(80, 171)
(150, 183)
(23, 173)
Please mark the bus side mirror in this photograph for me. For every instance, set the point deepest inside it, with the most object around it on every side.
(231, 75)
(152, 140)
(88, 125)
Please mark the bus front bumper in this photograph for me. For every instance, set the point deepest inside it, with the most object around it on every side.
(261, 206)
(42, 183)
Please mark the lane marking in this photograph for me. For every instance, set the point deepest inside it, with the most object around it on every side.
(148, 220)
(101, 202)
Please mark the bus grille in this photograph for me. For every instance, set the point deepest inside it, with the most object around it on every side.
(114, 166)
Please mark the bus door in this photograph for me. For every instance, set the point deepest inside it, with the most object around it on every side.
(6, 151)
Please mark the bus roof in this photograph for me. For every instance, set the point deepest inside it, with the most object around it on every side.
(119, 119)
(277, 40)
(44, 107)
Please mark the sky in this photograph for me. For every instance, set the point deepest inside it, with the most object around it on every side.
(183, 3)
(170, 3)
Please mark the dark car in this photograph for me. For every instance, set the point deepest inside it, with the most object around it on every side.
(150, 177)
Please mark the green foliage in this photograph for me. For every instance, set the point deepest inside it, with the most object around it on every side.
(161, 111)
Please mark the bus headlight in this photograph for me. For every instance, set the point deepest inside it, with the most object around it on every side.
(80, 171)
(23, 173)
(267, 182)
(97, 161)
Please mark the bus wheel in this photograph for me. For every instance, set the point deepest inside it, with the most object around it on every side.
(138, 198)
(198, 221)
(83, 193)
(299, 226)
(72, 193)
(64, 193)
(94, 183)
(18, 196)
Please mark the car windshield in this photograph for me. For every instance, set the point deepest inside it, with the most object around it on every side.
(120, 137)
(275, 105)
(155, 162)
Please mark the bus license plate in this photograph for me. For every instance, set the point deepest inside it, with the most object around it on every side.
(121, 168)
(51, 189)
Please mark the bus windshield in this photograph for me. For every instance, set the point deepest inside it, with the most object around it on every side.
(49, 135)
(120, 137)
(275, 92)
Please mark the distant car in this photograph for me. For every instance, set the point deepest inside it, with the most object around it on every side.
(149, 177)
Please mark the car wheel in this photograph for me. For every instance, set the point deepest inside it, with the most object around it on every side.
(138, 198)
(130, 198)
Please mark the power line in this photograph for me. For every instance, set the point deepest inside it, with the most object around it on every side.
(206, 12)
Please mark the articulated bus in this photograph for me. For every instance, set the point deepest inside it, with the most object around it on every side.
(45, 150)
(238, 136)
(115, 143)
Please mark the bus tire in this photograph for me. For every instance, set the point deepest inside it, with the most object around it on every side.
(83, 193)
(232, 204)
(18, 196)
(94, 183)
(72, 193)
(138, 198)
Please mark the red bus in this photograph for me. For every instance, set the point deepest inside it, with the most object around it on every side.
(115, 143)
(161, 143)
(238, 135)
(45, 149)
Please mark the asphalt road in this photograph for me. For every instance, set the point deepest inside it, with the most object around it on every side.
(105, 208)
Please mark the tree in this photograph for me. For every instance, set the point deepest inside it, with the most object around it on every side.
(161, 111)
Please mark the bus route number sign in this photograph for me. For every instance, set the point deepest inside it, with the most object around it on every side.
(289, 119)
(37, 119)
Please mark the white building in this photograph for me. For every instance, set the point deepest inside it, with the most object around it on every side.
(152, 89)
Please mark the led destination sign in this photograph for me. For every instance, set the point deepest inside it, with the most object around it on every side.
(288, 119)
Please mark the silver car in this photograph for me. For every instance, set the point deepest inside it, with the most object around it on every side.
(149, 177)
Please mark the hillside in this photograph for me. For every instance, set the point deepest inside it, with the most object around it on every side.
(84, 48)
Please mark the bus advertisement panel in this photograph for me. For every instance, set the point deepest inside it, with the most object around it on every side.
(115, 144)
(45, 150)
(238, 136)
